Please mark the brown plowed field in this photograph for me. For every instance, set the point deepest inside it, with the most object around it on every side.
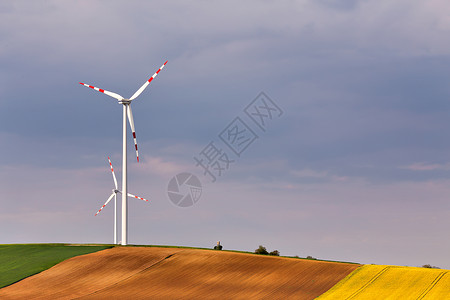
(172, 273)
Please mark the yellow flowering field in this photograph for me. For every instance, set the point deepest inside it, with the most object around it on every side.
(392, 282)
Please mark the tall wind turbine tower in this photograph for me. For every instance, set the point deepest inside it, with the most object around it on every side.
(126, 112)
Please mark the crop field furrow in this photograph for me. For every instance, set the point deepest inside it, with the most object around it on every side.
(83, 275)
(432, 285)
(18, 261)
(132, 274)
(368, 283)
(157, 273)
(392, 282)
(188, 273)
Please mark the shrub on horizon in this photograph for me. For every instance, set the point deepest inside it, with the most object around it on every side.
(275, 253)
(430, 266)
(261, 250)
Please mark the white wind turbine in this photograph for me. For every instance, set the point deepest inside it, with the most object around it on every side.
(114, 194)
(126, 112)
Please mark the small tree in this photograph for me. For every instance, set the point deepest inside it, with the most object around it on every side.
(275, 253)
(261, 250)
(310, 257)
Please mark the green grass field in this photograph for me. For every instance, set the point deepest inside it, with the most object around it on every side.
(18, 261)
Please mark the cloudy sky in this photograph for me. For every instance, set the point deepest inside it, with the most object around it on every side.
(356, 168)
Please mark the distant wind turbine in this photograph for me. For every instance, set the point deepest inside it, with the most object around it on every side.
(114, 194)
(126, 112)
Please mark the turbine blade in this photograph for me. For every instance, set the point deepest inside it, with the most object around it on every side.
(109, 199)
(130, 119)
(142, 88)
(133, 196)
(111, 94)
(112, 171)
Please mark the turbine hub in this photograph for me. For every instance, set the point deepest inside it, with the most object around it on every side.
(125, 101)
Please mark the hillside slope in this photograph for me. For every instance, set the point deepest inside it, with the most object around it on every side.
(392, 282)
(18, 261)
(173, 273)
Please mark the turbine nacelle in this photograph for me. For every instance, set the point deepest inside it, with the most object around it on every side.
(125, 101)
